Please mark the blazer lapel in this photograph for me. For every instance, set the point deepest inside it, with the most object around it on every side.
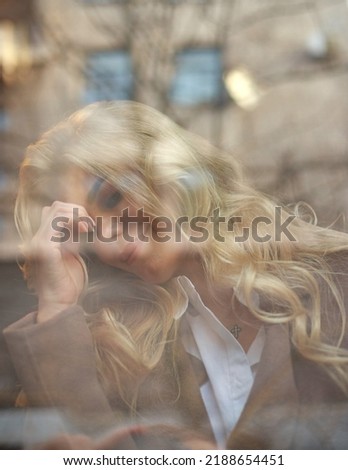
(190, 402)
(273, 398)
(171, 393)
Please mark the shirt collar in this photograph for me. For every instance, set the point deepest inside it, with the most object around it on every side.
(182, 283)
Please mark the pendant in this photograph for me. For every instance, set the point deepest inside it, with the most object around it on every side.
(235, 330)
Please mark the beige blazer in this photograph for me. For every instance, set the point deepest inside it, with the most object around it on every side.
(293, 403)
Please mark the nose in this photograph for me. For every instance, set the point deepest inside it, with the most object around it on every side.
(108, 228)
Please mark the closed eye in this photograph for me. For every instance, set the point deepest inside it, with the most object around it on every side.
(109, 201)
(104, 194)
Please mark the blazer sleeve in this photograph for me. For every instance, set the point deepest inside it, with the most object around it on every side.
(55, 363)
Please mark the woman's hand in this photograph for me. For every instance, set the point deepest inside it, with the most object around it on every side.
(134, 437)
(54, 258)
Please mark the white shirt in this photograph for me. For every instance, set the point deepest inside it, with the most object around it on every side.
(229, 369)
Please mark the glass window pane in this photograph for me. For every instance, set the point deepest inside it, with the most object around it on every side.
(4, 120)
(198, 77)
(102, 2)
(108, 76)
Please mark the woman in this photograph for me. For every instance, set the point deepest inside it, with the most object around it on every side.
(219, 311)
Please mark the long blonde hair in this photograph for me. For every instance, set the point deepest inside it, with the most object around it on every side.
(166, 168)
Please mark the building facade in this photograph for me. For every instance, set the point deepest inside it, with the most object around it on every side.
(264, 80)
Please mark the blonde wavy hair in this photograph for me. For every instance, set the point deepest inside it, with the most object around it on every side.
(151, 160)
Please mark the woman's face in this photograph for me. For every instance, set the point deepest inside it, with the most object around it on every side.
(124, 236)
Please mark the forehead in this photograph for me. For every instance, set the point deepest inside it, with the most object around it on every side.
(86, 189)
(75, 184)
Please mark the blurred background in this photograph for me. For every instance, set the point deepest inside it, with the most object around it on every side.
(266, 80)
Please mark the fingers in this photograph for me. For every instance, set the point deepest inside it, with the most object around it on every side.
(60, 228)
(57, 274)
(61, 214)
(67, 442)
(154, 437)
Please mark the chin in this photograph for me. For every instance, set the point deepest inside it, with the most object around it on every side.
(155, 276)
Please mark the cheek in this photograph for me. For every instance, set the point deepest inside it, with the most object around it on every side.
(166, 259)
(154, 273)
(155, 262)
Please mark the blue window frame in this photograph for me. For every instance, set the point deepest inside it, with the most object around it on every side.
(4, 120)
(192, 1)
(198, 77)
(108, 76)
(102, 2)
(4, 181)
